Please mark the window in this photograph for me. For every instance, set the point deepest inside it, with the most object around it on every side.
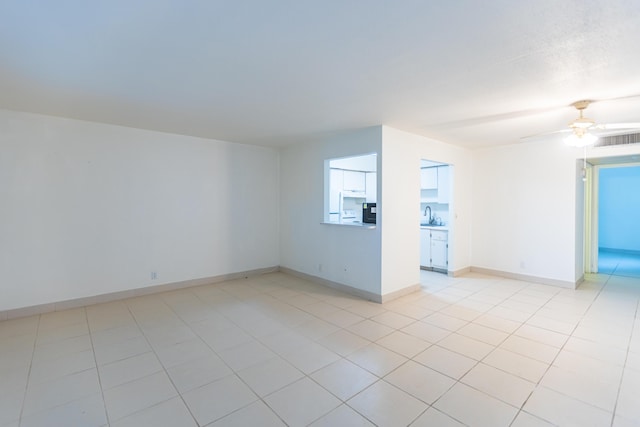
(351, 189)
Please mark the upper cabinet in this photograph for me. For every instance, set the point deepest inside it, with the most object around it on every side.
(444, 187)
(354, 181)
(372, 186)
(429, 178)
(336, 182)
(435, 184)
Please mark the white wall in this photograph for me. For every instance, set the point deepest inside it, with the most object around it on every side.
(383, 260)
(340, 253)
(89, 209)
(401, 156)
(525, 209)
(399, 213)
(528, 204)
(401, 243)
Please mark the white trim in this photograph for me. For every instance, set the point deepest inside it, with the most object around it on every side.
(595, 201)
(527, 278)
(130, 293)
(381, 299)
(460, 272)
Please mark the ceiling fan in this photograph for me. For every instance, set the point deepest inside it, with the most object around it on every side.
(584, 131)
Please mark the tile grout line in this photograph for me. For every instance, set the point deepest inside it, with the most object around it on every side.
(624, 369)
(95, 359)
(308, 376)
(26, 387)
(477, 362)
(556, 356)
(133, 316)
(496, 346)
(458, 381)
(234, 372)
(258, 310)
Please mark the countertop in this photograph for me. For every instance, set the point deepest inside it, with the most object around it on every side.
(435, 227)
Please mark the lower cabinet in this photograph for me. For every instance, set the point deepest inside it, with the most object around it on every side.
(439, 250)
(434, 249)
(425, 248)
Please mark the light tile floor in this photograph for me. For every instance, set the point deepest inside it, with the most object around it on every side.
(620, 263)
(276, 350)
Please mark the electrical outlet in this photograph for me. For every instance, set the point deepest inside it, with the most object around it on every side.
(320, 267)
(154, 275)
(522, 265)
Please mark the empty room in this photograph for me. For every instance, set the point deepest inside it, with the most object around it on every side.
(357, 213)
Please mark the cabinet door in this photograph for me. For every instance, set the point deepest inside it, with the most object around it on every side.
(354, 181)
(372, 186)
(429, 178)
(335, 187)
(439, 254)
(425, 248)
(444, 187)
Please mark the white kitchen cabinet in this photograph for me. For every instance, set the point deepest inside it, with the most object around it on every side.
(444, 186)
(354, 181)
(371, 187)
(425, 247)
(439, 246)
(335, 183)
(429, 178)
(434, 249)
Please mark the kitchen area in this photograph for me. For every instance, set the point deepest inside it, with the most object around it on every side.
(352, 190)
(435, 190)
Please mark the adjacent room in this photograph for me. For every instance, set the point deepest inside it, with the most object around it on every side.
(619, 232)
(319, 213)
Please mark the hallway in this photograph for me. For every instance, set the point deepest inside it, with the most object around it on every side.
(618, 263)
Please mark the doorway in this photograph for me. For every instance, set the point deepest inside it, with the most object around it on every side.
(613, 238)
(435, 221)
(618, 227)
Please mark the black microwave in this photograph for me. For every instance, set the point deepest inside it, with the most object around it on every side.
(369, 213)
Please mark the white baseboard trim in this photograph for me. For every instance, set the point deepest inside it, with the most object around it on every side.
(400, 293)
(526, 278)
(334, 285)
(130, 293)
(380, 299)
(115, 296)
(460, 272)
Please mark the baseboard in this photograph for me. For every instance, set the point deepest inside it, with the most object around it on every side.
(130, 293)
(620, 251)
(525, 277)
(400, 293)
(115, 296)
(335, 285)
(460, 272)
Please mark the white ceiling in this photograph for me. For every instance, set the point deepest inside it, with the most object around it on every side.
(468, 72)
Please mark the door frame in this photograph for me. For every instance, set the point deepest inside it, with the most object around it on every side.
(592, 203)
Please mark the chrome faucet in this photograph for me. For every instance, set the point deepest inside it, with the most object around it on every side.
(428, 208)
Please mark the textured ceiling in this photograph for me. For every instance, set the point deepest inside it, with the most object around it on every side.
(468, 72)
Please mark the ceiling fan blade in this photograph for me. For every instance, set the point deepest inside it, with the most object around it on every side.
(545, 135)
(616, 98)
(617, 126)
(494, 118)
(474, 121)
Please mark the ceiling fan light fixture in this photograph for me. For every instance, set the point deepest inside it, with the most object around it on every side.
(583, 139)
(581, 123)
